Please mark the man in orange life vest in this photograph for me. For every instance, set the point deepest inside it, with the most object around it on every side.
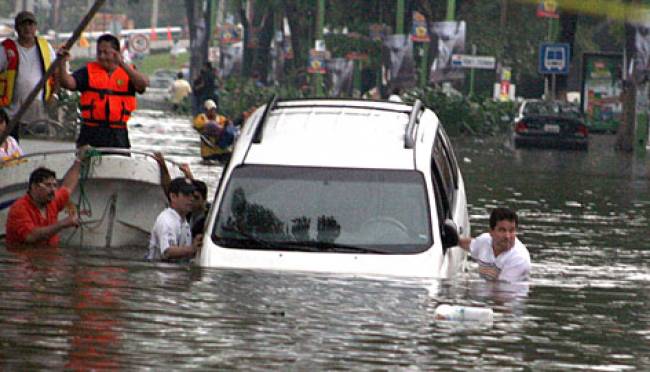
(108, 87)
(22, 64)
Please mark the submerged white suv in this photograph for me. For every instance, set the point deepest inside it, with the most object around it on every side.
(340, 186)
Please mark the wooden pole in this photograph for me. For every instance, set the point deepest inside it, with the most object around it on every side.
(68, 44)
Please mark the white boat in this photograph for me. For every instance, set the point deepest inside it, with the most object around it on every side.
(118, 200)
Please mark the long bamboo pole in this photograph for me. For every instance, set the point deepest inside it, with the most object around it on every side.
(68, 44)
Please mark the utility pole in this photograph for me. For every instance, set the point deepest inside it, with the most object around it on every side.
(451, 10)
(154, 14)
(320, 20)
(399, 20)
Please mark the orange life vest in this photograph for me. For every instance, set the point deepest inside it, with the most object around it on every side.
(107, 101)
(8, 76)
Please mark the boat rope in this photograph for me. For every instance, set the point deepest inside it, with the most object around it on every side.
(91, 224)
(93, 158)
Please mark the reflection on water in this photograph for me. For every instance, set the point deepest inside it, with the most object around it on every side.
(584, 217)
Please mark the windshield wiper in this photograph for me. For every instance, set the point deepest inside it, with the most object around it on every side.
(248, 237)
(319, 246)
(292, 245)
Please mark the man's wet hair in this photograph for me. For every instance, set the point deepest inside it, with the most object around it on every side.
(201, 187)
(40, 174)
(500, 214)
(115, 43)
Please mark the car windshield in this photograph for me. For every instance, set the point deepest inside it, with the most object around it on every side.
(324, 209)
(552, 108)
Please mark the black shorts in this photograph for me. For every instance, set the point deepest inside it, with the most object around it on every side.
(103, 137)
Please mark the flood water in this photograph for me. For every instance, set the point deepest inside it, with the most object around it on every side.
(583, 215)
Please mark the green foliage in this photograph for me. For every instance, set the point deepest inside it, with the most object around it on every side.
(340, 45)
(154, 61)
(461, 114)
(239, 95)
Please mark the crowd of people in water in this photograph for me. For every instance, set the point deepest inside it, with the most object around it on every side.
(108, 88)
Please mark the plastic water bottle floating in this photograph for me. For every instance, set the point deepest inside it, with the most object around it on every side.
(463, 313)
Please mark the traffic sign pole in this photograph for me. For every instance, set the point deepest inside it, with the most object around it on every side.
(472, 74)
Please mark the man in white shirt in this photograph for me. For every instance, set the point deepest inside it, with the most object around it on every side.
(171, 237)
(23, 63)
(179, 89)
(500, 255)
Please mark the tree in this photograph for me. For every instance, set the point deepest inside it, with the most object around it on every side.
(625, 131)
(198, 22)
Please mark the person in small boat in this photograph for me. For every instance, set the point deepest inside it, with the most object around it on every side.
(108, 87)
(217, 133)
(171, 236)
(499, 253)
(33, 219)
(9, 149)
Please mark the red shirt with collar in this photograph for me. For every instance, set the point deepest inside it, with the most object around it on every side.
(24, 216)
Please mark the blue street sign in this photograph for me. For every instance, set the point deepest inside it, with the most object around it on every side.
(554, 58)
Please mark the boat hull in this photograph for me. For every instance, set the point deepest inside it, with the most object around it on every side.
(118, 200)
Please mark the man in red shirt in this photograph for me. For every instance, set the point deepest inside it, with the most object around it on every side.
(33, 219)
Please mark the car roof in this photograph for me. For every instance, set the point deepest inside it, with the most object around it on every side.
(335, 133)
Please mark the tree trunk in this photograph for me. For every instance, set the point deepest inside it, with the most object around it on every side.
(300, 29)
(568, 26)
(196, 20)
(504, 14)
(625, 132)
(248, 52)
(262, 60)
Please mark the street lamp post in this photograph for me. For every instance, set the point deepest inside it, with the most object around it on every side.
(320, 20)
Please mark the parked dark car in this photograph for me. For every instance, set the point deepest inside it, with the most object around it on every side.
(549, 124)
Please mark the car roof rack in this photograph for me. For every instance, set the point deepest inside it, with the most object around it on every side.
(270, 105)
(414, 121)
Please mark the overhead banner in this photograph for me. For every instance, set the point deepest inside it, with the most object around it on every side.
(547, 9)
(398, 61)
(316, 62)
(419, 32)
(378, 31)
(449, 37)
(641, 60)
(601, 90)
(232, 56)
(277, 57)
(229, 34)
(340, 71)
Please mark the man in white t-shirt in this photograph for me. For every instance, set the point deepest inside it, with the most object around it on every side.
(179, 89)
(171, 237)
(23, 63)
(500, 255)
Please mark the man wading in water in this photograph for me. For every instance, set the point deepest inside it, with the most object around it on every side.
(500, 255)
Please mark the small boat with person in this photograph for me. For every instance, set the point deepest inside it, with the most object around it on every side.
(118, 197)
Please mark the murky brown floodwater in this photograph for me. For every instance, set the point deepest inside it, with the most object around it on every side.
(584, 217)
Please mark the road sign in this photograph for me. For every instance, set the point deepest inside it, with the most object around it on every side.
(554, 58)
(471, 61)
(139, 43)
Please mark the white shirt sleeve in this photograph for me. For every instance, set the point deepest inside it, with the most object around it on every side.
(478, 244)
(165, 236)
(515, 271)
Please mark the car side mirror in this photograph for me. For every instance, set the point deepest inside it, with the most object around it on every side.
(449, 234)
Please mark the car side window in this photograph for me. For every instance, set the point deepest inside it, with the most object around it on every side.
(449, 154)
(442, 165)
(442, 202)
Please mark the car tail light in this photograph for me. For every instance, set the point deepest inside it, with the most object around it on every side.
(582, 130)
(521, 127)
